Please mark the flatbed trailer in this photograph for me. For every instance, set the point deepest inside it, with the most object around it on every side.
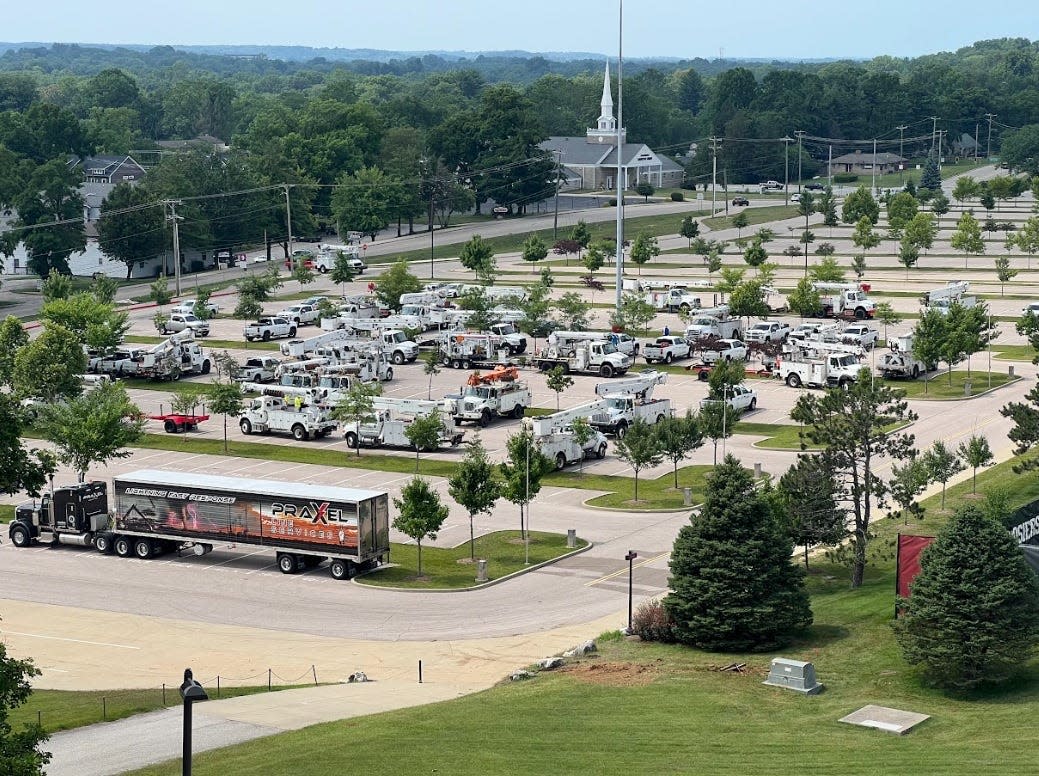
(178, 422)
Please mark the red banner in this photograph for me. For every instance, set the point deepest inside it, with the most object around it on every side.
(907, 563)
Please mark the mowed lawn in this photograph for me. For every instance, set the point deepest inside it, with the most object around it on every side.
(661, 709)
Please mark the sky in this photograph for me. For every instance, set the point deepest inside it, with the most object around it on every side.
(782, 29)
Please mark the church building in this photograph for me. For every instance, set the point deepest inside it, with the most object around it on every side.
(590, 162)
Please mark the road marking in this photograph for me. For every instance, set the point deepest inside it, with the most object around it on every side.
(74, 641)
(232, 560)
(625, 571)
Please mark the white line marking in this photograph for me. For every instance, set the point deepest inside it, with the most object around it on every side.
(74, 641)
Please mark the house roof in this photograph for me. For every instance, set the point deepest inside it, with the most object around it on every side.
(858, 157)
(578, 152)
(107, 164)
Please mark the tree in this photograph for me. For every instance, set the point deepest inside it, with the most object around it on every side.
(131, 226)
(366, 201)
(473, 486)
(827, 271)
(716, 419)
(20, 469)
(105, 288)
(689, 229)
(887, 315)
(431, 368)
(825, 249)
(395, 281)
(573, 311)
(637, 312)
(973, 617)
(581, 234)
(535, 307)
(225, 399)
(640, 448)
(248, 308)
(50, 195)
(804, 299)
(303, 274)
(929, 339)
(755, 255)
(534, 250)
(678, 437)
(858, 265)
(931, 178)
(56, 286)
(748, 300)
(827, 205)
(582, 431)
(942, 464)
(810, 495)
(939, 204)
(342, 273)
(908, 254)
(907, 482)
(94, 323)
(477, 255)
(48, 368)
(20, 753)
(740, 222)
(921, 231)
(159, 291)
(643, 248)
(731, 278)
(733, 585)
(967, 237)
(645, 189)
(860, 204)
(12, 337)
(420, 513)
(93, 428)
(976, 453)
(522, 470)
(901, 209)
(424, 433)
(1003, 272)
(853, 427)
(357, 405)
(965, 188)
(864, 235)
(558, 379)
(1027, 238)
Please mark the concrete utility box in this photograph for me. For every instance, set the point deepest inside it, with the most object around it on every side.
(793, 675)
(481, 570)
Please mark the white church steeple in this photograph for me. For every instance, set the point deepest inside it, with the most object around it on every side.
(605, 130)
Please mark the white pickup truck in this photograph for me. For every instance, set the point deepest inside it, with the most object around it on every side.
(739, 397)
(300, 314)
(258, 370)
(666, 349)
(768, 331)
(725, 350)
(860, 334)
(709, 326)
(267, 329)
(177, 322)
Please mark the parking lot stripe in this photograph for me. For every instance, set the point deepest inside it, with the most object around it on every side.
(73, 641)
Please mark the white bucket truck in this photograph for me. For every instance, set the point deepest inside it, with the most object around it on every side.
(498, 393)
(554, 434)
(388, 427)
(629, 400)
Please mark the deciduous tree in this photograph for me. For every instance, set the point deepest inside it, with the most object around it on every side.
(558, 379)
(678, 436)
(640, 448)
(976, 453)
(474, 487)
(523, 470)
(420, 513)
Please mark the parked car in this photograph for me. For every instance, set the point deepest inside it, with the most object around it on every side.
(181, 321)
(815, 186)
(795, 197)
(739, 397)
(860, 334)
(740, 201)
(357, 265)
(770, 186)
(187, 307)
(1032, 307)
(768, 331)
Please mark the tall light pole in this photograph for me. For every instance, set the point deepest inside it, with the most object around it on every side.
(714, 175)
(191, 692)
(901, 141)
(526, 498)
(630, 557)
(787, 140)
(800, 134)
(873, 169)
(175, 219)
(288, 223)
(988, 150)
(619, 253)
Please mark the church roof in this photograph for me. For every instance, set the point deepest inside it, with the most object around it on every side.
(578, 152)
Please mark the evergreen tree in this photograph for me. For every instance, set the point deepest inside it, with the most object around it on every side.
(973, 617)
(931, 179)
(734, 587)
(942, 464)
(811, 495)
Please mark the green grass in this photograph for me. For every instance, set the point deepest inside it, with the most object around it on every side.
(755, 216)
(144, 339)
(450, 568)
(939, 387)
(654, 494)
(6, 513)
(66, 709)
(1013, 352)
(653, 708)
(777, 436)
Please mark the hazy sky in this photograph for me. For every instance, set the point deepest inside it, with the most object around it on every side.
(678, 28)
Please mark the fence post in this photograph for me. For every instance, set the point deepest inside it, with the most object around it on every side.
(218, 685)
(104, 708)
(163, 693)
(420, 672)
(313, 670)
(268, 680)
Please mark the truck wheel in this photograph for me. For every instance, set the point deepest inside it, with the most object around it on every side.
(793, 380)
(456, 363)
(299, 433)
(206, 366)
(916, 371)
(518, 410)
(246, 426)
(292, 331)
(143, 549)
(322, 269)
(606, 371)
(485, 418)
(753, 404)
(622, 430)
(703, 375)
(123, 547)
(600, 452)
(458, 421)
(668, 358)
(860, 314)
(339, 569)
(660, 419)
(103, 543)
(398, 357)
(351, 440)
(20, 536)
(560, 461)
(266, 336)
(389, 375)
(170, 427)
(287, 563)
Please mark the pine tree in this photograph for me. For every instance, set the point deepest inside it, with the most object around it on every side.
(973, 617)
(734, 584)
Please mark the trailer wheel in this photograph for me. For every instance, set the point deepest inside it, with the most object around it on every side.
(103, 543)
(339, 569)
(398, 357)
(793, 380)
(703, 375)
(206, 367)
(560, 461)
(299, 433)
(485, 418)
(351, 440)
(170, 427)
(287, 563)
(606, 371)
(292, 331)
(20, 536)
(246, 426)
(143, 549)
(123, 547)
(266, 336)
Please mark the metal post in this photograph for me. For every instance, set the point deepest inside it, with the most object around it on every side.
(901, 140)
(714, 175)
(873, 169)
(288, 223)
(176, 243)
(800, 134)
(619, 254)
(186, 751)
(630, 557)
(988, 150)
(555, 215)
(432, 188)
(786, 168)
(829, 167)
(526, 498)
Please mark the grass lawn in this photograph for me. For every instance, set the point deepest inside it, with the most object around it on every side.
(451, 567)
(778, 436)
(659, 493)
(1013, 352)
(144, 339)
(6, 513)
(939, 387)
(755, 216)
(653, 708)
(66, 709)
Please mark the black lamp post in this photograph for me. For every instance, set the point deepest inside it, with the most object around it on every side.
(630, 557)
(192, 692)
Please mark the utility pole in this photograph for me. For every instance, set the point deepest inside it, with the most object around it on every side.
(555, 217)
(714, 175)
(288, 222)
(873, 167)
(175, 219)
(940, 133)
(977, 137)
(619, 252)
(787, 140)
(901, 150)
(829, 166)
(725, 188)
(800, 134)
(934, 129)
(988, 152)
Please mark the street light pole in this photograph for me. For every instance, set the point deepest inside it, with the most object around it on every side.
(288, 223)
(619, 252)
(192, 692)
(526, 498)
(800, 134)
(787, 140)
(630, 557)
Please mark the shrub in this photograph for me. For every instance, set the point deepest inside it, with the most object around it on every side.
(613, 202)
(845, 177)
(651, 622)
(677, 196)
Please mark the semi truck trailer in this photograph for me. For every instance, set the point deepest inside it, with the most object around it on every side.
(156, 512)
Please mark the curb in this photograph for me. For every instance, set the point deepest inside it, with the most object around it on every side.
(473, 588)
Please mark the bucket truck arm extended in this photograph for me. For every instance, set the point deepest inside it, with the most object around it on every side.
(413, 407)
(640, 386)
(557, 421)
